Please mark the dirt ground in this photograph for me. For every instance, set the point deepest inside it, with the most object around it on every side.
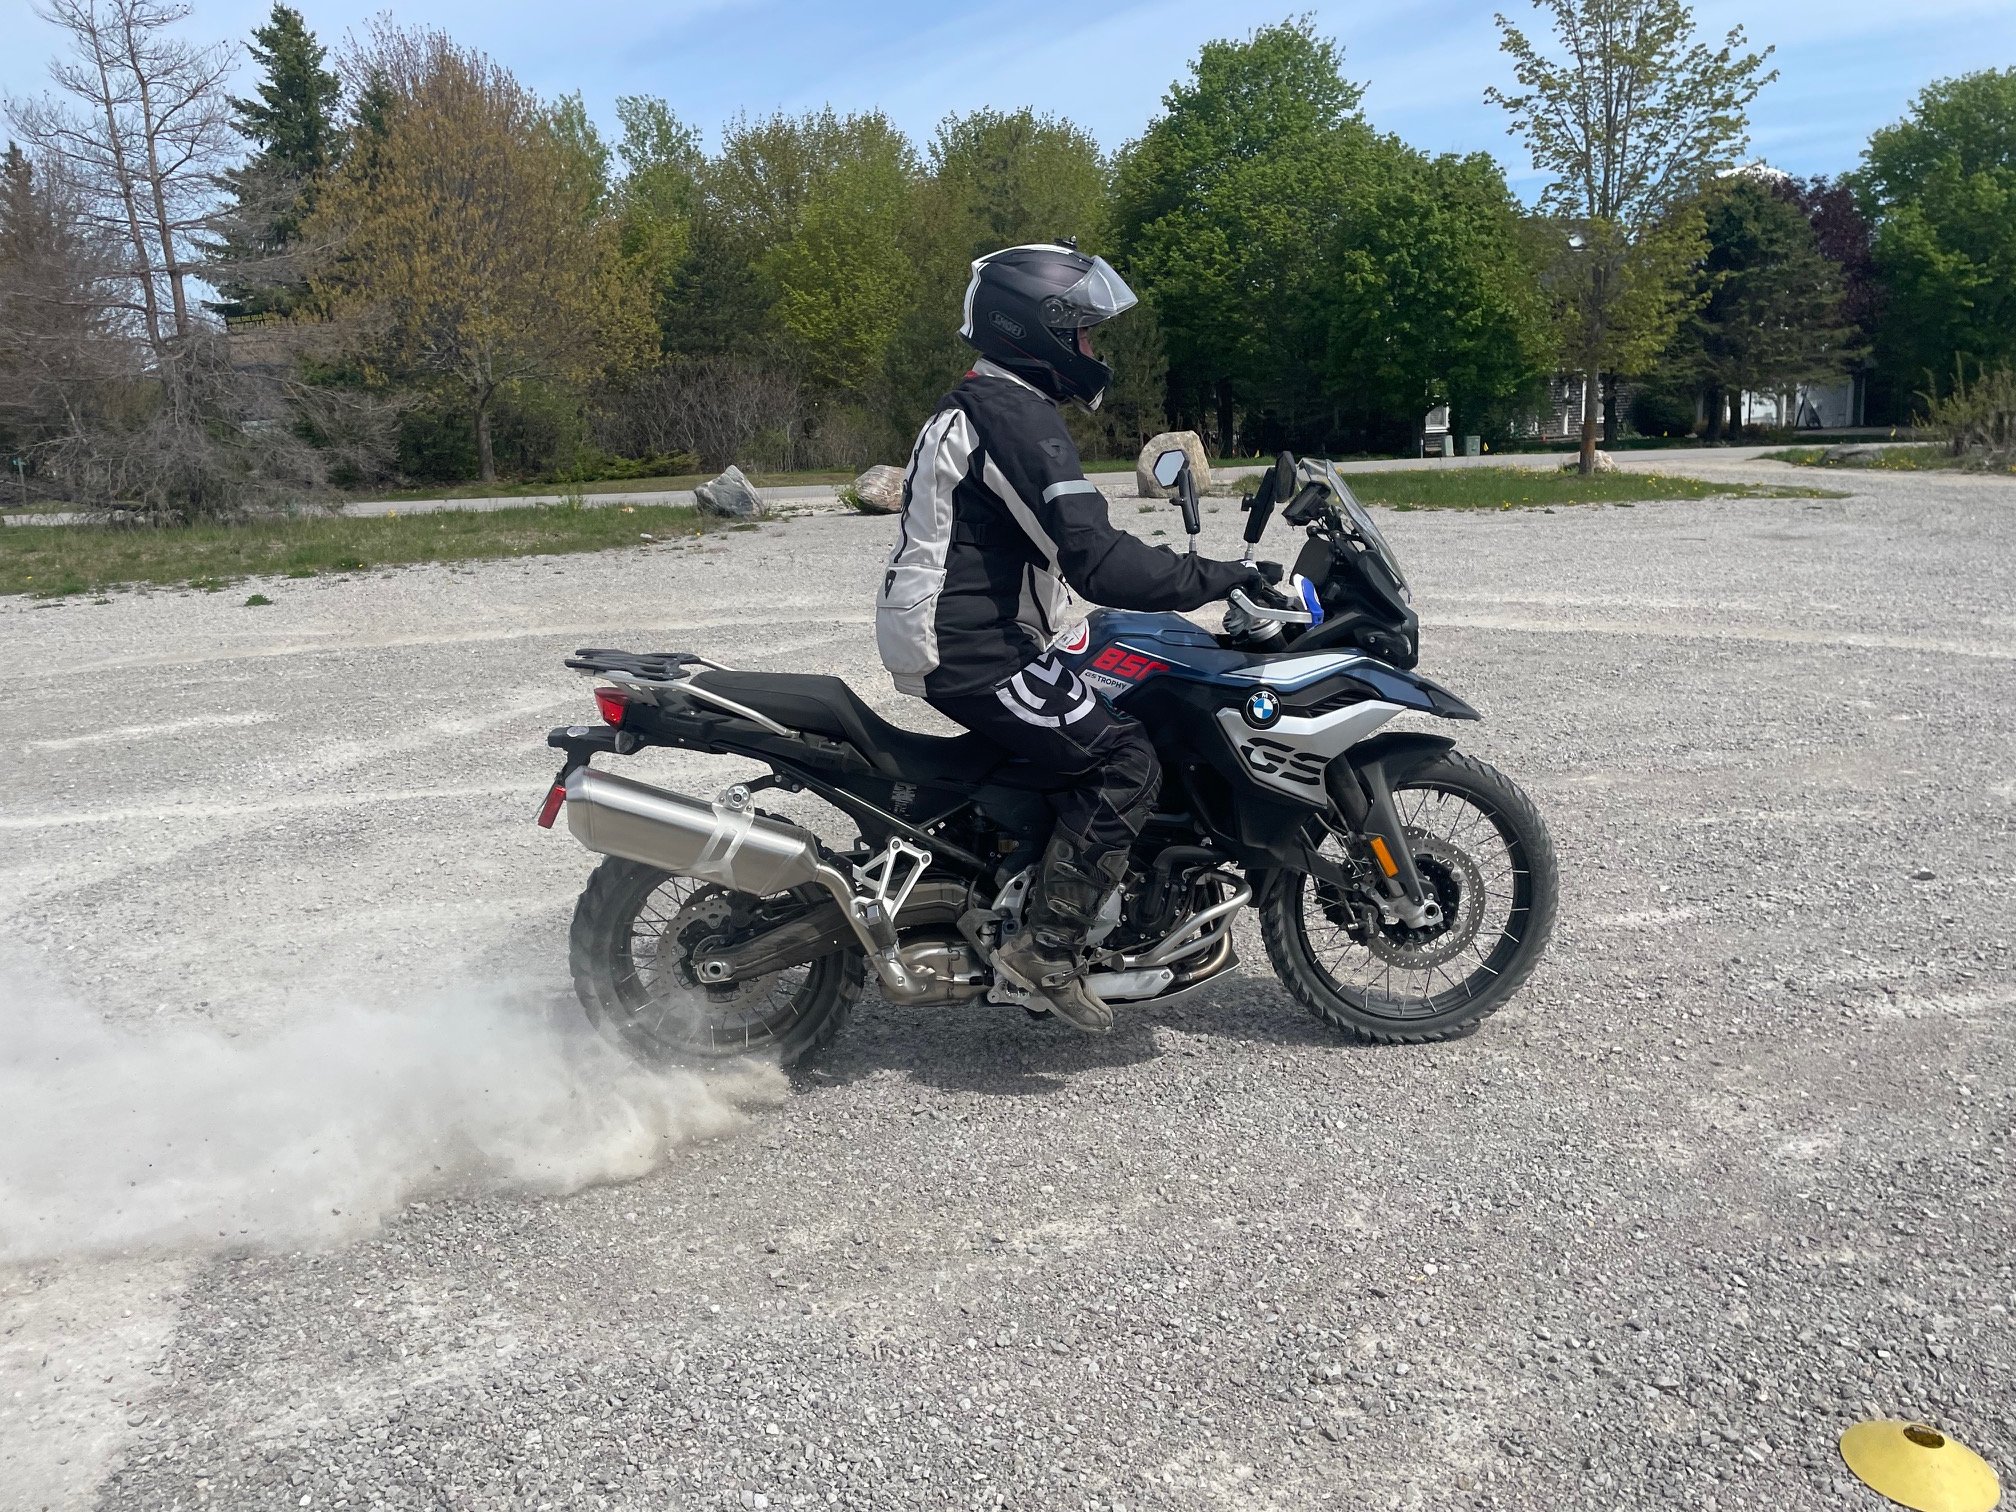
(312, 1192)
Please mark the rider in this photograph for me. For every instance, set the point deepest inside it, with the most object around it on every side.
(998, 518)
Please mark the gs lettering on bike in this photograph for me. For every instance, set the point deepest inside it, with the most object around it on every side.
(1275, 758)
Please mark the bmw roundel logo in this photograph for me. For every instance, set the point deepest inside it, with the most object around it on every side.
(1262, 708)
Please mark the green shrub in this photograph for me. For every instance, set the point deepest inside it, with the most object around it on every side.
(1661, 412)
(1977, 420)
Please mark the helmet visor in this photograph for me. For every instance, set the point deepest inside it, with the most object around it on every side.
(1099, 295)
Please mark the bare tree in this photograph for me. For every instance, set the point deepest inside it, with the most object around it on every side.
(144, 135)
(716, 408)
(65, 345)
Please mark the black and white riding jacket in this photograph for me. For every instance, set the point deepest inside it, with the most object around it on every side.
(998, 518)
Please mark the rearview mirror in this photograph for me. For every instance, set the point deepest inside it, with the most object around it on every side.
(1169, 466)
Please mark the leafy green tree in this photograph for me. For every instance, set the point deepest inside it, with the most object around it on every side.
(752, 200)
(293, 125)
(1629, 118)
(586, 156)
(1769, 303)
(1941, 187)
(657, 197)
(993, 179)
(844, 277)
(1433, 298)
(1219, 209)
(467, 240)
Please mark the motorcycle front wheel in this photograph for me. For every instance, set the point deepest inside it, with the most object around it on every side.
(637, 931)
(1479, 843)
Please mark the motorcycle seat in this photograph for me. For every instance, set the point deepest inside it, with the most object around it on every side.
(827, 706)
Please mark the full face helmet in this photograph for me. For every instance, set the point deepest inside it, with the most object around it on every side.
(1030, 309)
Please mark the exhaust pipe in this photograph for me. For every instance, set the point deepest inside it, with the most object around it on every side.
(736, 848)
(744, 851)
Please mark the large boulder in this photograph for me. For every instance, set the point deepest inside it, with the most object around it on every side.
(732, 496)
(1145, 485)
(880, 490)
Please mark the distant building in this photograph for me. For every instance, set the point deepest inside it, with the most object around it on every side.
(1835, 405)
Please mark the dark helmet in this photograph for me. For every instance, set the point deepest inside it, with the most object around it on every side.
(1028, 309)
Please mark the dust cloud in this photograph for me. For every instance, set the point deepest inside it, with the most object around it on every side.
(186, 1137)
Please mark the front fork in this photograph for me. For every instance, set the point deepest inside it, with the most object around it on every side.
(1364, 800)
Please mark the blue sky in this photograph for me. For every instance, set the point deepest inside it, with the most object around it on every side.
(1847, 66)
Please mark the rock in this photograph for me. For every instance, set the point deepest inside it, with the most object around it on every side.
(879, 490)
(732, 496)
(1145, 485)
(1605, 463)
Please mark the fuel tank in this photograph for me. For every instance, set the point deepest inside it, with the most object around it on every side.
(1116, 651)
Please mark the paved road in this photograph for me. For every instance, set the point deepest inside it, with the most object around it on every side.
(313, 1198)
(801, 498)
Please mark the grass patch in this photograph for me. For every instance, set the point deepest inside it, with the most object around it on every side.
(1536, 488)
(50, 561)
(667, 482)
(1883, 459)
(658, 484)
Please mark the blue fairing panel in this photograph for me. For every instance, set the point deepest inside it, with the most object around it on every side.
(1136, 647)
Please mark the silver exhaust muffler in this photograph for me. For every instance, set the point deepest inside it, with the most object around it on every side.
(734, 847)
(740, 850)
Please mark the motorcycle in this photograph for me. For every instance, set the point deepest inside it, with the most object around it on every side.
(1405, 890)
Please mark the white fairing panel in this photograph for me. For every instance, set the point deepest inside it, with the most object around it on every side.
(1286, 674)
(1290, 754)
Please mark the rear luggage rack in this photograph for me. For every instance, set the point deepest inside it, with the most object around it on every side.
(645, 666)
(673, 672)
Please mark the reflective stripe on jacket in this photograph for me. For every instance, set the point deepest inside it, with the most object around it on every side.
(998, 518)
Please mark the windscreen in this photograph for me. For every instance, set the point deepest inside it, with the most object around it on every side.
(1361, 521)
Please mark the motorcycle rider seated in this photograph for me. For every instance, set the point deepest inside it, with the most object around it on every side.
(998, 520)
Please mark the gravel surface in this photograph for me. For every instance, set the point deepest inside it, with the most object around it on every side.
(1730, 1174)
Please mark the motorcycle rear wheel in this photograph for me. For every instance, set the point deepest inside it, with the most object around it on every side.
(1480, 842)
(635, 929)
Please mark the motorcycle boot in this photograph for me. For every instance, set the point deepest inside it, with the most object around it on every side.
(1043, 957)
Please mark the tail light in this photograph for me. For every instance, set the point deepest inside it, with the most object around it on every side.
(612, 702)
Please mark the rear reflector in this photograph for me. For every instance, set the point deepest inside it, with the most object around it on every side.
(550, 809)
(612, 702)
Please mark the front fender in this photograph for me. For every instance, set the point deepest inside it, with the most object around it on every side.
(1360, 784)
(1372, 766)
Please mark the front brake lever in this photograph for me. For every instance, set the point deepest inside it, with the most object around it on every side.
(1264, 612)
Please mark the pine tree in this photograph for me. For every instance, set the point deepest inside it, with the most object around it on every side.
(293, 126)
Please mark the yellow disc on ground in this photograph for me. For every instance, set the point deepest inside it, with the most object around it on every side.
(1916, 1466)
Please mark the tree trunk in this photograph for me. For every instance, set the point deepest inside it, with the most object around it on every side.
(1735, 415)
(1609, 409)
(1716, 413)
(1225, 446)
(1589, 406)
(486, 460)
(122, 177)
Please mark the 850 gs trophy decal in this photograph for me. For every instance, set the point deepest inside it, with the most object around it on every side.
(1405, 890)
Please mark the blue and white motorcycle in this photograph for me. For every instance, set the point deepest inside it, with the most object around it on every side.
(1405, 890)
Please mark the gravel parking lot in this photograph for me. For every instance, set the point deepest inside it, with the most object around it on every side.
(1733, 1172)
